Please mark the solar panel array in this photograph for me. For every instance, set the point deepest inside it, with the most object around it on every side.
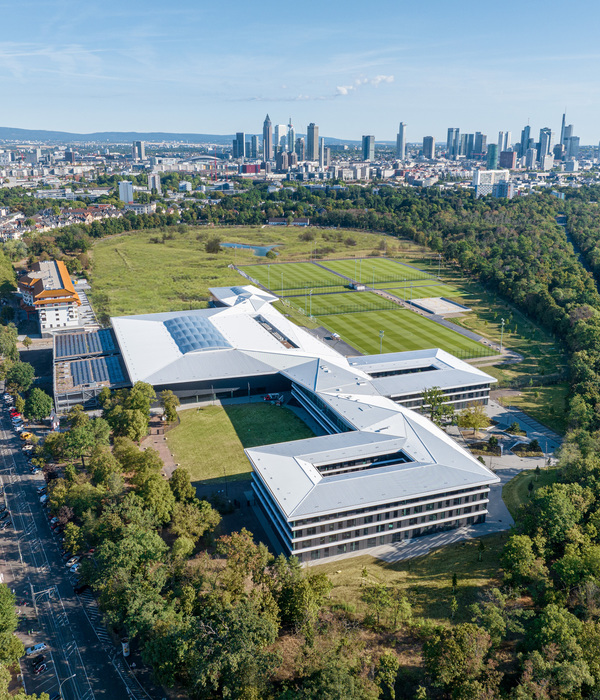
(73, 344)
(195, 333)
(99, 369)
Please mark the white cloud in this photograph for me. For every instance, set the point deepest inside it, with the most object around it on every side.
(375, 82)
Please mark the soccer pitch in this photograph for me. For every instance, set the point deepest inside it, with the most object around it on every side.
(282, 277)
(422, 291)
(349, 302)
(369, 270)
(403, 330)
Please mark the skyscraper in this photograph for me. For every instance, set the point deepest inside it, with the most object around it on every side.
(562, 129)
(239, 142)
(154, 182)
(429, 147)
(138, 150)
(322, 153)
(291, 136)
(545, 142)
(401, 142)
(267, 139)
(312, 142)
(525, 136)
(572, 147)
(453, 142)
(480, 146)
(280, 135)
(368, 147)
(254, 147)
(300, 148)
(492, 156)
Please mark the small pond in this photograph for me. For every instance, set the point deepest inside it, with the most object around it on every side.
(260, 250)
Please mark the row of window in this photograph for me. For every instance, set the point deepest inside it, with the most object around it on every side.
(387, 527)
(475, 492)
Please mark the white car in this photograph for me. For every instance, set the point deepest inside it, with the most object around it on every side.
(35, 649)
(75, 568)
(72, 561)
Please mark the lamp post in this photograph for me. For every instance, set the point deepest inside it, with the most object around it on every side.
(310, 303)
(501, 334)
(282, 283)
(381, 333)
(66, 679)
(269, 276)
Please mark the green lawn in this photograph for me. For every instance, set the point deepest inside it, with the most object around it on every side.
(403, 330)
(515, 493)
(368, 270)
(547, 404)
(290, 277)
(325, 304)
(209, 442)
(426, 580)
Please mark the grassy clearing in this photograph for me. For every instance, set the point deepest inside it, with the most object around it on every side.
(547, 404)
(209, 442)
(427, 580)
(403, 330)
(515, 493)
(289, 277)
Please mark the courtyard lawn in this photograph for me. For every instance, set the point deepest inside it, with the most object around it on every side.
(515, 493)
(367, 270)
(426, 580)
(288, 278)
(209, 442)
(403, 330)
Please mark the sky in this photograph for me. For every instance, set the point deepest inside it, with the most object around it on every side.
(351, 67)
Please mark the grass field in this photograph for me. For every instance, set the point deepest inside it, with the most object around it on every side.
(420, 291)
(515, 493)
(375, 269)
(548, 404)
(209, 442)
(403, 330)
(291, 277)
(426, 580)
(325, 304)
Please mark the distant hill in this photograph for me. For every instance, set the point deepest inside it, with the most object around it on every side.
(64, 137)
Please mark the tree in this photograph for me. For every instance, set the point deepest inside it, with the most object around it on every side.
(213, 245)
(38, 404)
(474, 418)
(435, 406)
(456, 654)
(386, 673)
(20, 376)
(74, 539)
(27, 342)
(193, 520)
(19, 403)
(169, 402)
(181, 486)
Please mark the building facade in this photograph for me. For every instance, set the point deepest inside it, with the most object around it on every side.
(47, 292)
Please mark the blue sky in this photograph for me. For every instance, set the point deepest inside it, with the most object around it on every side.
(351, 67)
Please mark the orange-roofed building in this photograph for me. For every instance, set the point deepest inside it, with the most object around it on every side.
(48, 291)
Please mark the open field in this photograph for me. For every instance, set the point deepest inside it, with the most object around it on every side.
(516, 493)
(350, 302)
(547, 404)
(403, 330)
(294, 277)
(209, 442)
(426, 580)
(376, 270)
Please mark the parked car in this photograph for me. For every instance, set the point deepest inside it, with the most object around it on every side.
(44, 498)
(26, 436)
(72, 561)
(80, 588)
(40, 669)
(35, 649)
(38, 660)
(75, 568)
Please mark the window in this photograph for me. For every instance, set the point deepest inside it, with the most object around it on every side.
(314, 554)
(368, 518)
(333, 538)
(417, 509)
(311, 531)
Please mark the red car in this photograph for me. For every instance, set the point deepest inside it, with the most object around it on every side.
(14, 413)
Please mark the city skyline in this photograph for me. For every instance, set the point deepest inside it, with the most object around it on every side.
(198, 69)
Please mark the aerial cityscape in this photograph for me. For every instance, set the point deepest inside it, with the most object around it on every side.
(299, 352)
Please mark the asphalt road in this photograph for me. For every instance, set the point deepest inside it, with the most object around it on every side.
(82, 660)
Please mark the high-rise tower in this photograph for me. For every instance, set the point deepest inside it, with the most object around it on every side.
(291, 136)
(312, 142)
(401, 142)
(267, 139)
(453, 142)
(368, 147)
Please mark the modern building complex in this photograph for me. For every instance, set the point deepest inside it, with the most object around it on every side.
(47, 291)
(381, 472)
